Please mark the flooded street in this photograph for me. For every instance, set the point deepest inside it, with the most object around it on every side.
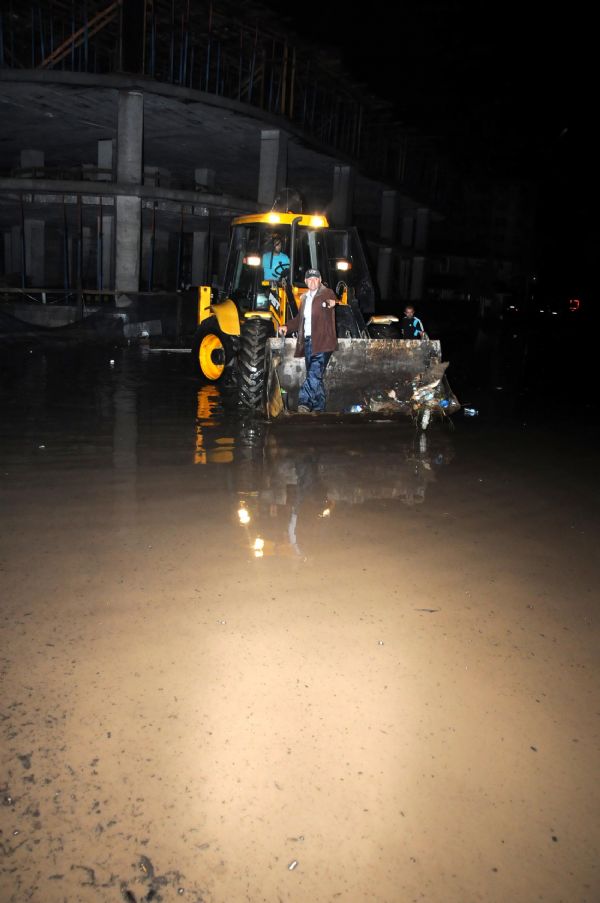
(298, 662)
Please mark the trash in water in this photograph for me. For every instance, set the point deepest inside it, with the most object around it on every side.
(112, 363)
(354, 409)
(470, 412)
(293, 864)
(146, 867)
(380, 642)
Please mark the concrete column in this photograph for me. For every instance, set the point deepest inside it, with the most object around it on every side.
(129, 208)
(385, 261)
(161, 259)
(15, 249)
(7, 248)
(35, 252)
(389, 215)
(273, 165)
(105, 159)
(205, 178)
(107, 252)
(408, 231)
(128, 243)
(130, 137)
(340, 210)
(32, 159)
(422, 229)
(199, 262)
(416, 282)
(88, 256)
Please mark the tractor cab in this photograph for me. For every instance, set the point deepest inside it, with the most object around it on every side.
(270, 254)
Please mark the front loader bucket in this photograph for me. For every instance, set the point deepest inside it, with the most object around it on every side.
(367, 375)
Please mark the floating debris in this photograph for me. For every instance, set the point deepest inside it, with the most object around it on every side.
(380, 642)
(293, 864)
(146, 867)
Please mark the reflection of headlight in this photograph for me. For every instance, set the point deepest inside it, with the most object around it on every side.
(259, 544)
(317, 222)
(253, 260)
(343, 265)
(244, 515)
(325, 513)
(274, 218)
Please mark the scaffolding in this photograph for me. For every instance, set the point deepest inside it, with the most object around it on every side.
(233, 50)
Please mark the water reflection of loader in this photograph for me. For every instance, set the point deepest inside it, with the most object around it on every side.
(288, 494)
(290, 484)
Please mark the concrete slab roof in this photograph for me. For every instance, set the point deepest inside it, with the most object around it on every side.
(66, 114)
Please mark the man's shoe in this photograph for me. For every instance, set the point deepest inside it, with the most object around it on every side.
(303, 409)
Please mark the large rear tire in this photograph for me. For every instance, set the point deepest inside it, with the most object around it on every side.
(212, 350)
(252, 362)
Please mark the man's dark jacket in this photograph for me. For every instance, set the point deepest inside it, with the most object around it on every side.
(323, 335)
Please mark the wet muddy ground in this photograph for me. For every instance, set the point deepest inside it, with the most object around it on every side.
(301, 662)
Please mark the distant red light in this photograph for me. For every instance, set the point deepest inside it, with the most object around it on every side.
(574, 304)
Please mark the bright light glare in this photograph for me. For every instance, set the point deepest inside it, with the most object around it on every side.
(317, 222)
(325, 513)
(343, 265)
(258, 553)
(259, 544)
(274, 218)
(253, 260)
(244, 515)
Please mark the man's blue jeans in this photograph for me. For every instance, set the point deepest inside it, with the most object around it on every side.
(312, 391)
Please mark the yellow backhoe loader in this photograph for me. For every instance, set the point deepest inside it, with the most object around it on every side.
(373, 368)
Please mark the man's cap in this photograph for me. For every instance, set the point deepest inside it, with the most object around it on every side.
(310, 273)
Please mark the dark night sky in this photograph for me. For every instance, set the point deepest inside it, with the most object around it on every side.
(509, 87)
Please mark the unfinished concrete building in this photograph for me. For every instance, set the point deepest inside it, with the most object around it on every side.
(134, 131)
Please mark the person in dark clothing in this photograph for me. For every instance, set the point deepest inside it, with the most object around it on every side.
(317, 339)
(412, 327)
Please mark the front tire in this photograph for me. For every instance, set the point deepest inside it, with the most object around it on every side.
(212, 350)
(252, 362)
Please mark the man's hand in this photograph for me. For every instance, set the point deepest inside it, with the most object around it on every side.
(329, 303)
(282, 330)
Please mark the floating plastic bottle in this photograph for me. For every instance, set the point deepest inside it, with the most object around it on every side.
(470, 412)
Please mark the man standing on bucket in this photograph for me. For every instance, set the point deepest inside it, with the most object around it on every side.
(315, 325)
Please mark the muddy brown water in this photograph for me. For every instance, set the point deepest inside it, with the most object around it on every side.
(308, 662)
